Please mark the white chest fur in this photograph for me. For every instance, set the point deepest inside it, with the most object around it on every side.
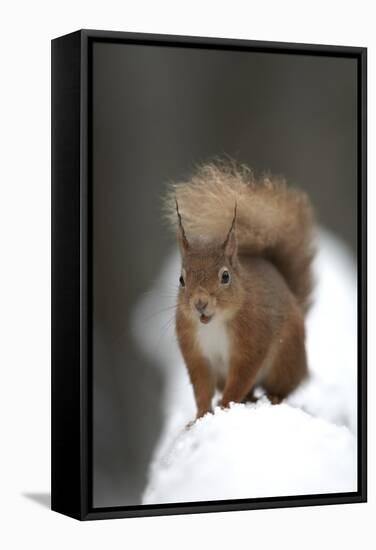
(214, 343)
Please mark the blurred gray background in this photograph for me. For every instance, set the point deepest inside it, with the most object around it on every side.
(158, 111)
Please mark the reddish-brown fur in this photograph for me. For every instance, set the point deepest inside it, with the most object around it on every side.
(266, 249)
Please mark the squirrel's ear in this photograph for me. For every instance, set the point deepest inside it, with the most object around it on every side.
(230, 244)
(182, 239)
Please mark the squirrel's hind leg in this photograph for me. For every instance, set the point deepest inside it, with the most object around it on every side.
(289, 366)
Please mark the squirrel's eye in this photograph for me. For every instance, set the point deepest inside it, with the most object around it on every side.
(181, 281)
(225, 277)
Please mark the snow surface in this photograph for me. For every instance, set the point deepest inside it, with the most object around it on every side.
(306, 445)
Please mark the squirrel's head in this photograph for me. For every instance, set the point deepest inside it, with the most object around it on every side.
(209, 280)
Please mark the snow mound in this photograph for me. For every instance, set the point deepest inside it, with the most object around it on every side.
(306, 445)
(254, 450)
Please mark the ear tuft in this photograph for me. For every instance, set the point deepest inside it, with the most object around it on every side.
(182, 239)
(230, 243)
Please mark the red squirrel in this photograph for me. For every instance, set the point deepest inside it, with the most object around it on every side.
(246, 249)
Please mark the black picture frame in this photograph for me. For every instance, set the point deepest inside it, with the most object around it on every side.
(72, 398)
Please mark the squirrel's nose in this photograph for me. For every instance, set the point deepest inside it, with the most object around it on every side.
(200, 305)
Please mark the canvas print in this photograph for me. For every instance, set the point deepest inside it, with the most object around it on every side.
(224, 269)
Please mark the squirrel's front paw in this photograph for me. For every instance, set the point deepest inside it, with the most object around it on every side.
(274, 399)
(224, 403)
(198, 416)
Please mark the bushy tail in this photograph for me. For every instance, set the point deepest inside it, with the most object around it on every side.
(272, 220)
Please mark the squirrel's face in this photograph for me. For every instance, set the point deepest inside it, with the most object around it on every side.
(209, 280)
(209, 285)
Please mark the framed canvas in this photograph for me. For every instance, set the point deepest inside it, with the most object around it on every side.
(208, 274)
